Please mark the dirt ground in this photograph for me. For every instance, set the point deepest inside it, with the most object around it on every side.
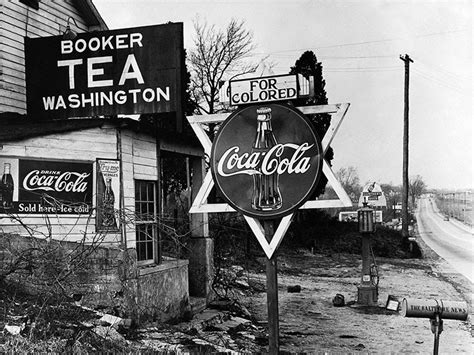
(310, 323)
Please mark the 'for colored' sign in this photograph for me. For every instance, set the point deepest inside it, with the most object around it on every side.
(264, 89)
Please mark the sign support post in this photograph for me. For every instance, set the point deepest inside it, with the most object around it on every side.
(272, 294)
(226, 160)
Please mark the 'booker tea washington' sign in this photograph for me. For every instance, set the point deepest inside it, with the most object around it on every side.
(266, 160)
(136, 70)
(54, 187)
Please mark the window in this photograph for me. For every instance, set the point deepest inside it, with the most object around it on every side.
(31, 3)
(145, 222)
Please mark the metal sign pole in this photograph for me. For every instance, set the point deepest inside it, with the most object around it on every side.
(272, 294)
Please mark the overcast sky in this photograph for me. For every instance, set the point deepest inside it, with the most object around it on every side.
(359, 44)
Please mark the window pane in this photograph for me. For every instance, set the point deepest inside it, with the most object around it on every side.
(137, 190)
(149, 250)
(143, 192)
(150, 196)
(141, 251)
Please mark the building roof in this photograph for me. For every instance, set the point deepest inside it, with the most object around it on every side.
(16, 127)
(90, 13)
(22, 129)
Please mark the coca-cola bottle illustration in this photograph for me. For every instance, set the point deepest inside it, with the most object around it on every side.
(266, 192)
(108, 203)
(6, 189)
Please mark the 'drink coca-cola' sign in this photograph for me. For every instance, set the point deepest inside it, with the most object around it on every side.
(54, 187)
(266, 160)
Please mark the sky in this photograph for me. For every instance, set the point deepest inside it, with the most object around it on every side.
(359, 44)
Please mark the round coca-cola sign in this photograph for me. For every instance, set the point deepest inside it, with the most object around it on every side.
(266, 160)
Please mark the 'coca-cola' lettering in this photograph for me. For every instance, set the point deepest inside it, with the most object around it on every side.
(265, 163)
(67, 181)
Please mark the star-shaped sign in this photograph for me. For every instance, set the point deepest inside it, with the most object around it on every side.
(200, 204)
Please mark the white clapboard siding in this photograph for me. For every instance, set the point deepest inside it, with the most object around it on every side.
(144, 158)
(127, 141)
(83, 145)
(18, 21)
(138, 158)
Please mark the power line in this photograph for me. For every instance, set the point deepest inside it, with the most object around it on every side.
(358, 68)
(369, 42)
(446, 72)
(441, 83)
(439, 80)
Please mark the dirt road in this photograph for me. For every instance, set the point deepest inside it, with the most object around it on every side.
(310, 323)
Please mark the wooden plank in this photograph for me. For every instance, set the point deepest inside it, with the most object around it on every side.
(140, 137)
(39, 26)
(81, 142)
(51, 153)
(15, 36)
(144, 162)
(12, 39)
(12, 150)
(140, 145)
(14, 66)
(143, 172)
(71, 144)
(18, 82)
(50, 10)
(13, 95)
(10, 104)
(143, 154)
(216, 117)
(13, 54)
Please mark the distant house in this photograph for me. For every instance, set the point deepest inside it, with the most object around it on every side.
(97, 180)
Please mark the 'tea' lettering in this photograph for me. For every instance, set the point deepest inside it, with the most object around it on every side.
(130, 71)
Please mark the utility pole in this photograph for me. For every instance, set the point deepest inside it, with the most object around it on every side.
(407, 61)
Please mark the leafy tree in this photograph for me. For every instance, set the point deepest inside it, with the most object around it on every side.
(308, 66)
(216, 54)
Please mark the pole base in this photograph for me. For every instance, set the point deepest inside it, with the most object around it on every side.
(367, 295)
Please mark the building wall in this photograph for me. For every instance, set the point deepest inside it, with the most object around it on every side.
(139, 161)
(153, 293)
(103, 277)
(85, 146)
(17, 21)
(137, 152)
(163, 291)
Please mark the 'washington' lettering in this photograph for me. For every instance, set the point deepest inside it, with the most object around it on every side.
(104, 98)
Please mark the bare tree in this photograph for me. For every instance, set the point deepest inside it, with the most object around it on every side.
(416, 188)
(349, 179)
(217, 54)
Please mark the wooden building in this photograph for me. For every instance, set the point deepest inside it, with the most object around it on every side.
(97, 181)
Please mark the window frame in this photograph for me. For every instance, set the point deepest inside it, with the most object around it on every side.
(147, 222)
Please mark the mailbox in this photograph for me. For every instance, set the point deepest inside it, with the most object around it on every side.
(436, 311)
(416, 308)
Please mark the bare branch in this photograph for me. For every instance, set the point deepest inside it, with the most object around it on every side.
(216, 53)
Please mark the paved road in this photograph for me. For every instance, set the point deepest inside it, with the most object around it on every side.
(451, 240)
